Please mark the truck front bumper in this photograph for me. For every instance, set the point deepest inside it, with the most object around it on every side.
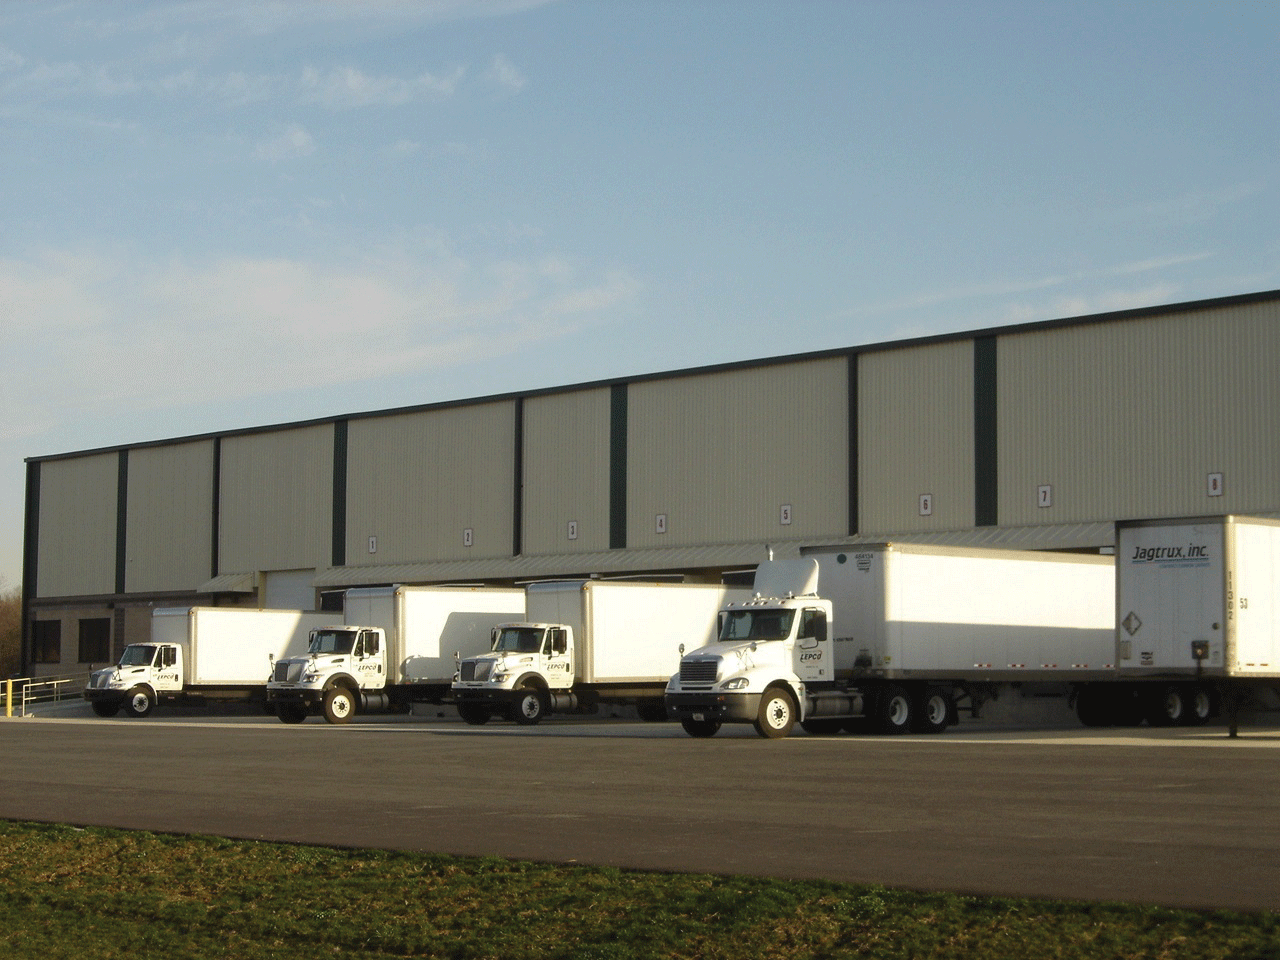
(489, 698)
(724, 707)
(308, 697)
(104, 695)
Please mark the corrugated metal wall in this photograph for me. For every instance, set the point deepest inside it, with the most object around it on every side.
(169, 517)
(276, 500)
(915, 438)
(1136, 419)
(78, 509)
(434, 485)
(738, 455)
(566, 472)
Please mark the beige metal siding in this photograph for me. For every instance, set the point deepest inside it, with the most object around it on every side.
(170, 517)
(721, 455)
(1131, 419)
(418, 482)
(277, 500)
(566, 472)
(78, 526)
(915, 438)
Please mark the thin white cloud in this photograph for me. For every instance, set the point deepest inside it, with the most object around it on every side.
(238, 327)
(292, 143)
(504, 75)
(346, 87)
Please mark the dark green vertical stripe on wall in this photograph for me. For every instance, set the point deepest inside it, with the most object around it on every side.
(852, 479)
(216, 523)
(339, 550)
(618, 467)
(122, 518)
(986, 473)
(30, 559)
(517, 483)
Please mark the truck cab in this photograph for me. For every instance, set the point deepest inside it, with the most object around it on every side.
(144, 673)
(340, 669)
(526, 673)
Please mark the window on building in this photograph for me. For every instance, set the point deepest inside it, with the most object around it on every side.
(46, 641)
(95, 640)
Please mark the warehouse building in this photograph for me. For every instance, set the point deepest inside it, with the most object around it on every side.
(1036, 436)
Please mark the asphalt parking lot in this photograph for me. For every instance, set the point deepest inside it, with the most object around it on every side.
(1180, 817)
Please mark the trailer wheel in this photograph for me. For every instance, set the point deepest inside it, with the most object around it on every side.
(933, 712)
(475, 715)
(1168, 706)
(339, 705)
(893, 710)
(529, 707)
(1093, 706)
(139, 702)
(777, 714)
(104, 708)
(291, 713)
(1199, 706)
(701, 728)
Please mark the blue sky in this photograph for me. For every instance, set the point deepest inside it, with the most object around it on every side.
(224, 213)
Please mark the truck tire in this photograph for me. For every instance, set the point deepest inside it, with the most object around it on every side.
(1200, 706)
(339, 705)
(1167, 706)
(475, 715)
(291, 713)
(893, 710)
(777, 714)
(702, 729)
(529, 706)
(139, 702)
(933, 711)
(1093, 706)
(104, 708)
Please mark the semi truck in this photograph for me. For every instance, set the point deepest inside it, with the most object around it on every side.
(199, 654)
(897, 635)
(586, 643)
(1198, 619)
(397, 645)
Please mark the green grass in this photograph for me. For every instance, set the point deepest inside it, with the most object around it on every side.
(67, 892)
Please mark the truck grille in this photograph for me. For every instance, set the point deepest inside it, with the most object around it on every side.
(471, 670)
(287, 672)
(699, 671)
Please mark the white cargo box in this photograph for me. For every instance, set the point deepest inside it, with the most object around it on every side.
(230, 646)
(425, 626)
(1205, 586)
(631, 632)
(911, 610)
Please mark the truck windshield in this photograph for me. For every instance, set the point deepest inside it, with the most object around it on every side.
(332, 641)
(137, 655)
(518, 640)
(737, 625)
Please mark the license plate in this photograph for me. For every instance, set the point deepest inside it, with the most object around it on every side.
(700, 717)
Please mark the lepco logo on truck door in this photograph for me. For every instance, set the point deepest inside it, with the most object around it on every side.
(1192, 555)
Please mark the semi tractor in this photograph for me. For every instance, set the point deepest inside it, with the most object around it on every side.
(1198, 620)
(396, 646)
(897, 635)
(585, 643)
(199, 654)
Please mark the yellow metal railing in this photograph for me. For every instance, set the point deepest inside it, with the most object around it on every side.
(21, 693)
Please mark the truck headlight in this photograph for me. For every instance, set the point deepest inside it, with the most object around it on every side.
(737, 683)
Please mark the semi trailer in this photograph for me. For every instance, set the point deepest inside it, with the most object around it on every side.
(897, 635)
(585, 643)
(396, 646)
(200, 654)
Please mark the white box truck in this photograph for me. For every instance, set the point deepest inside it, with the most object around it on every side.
(396, 645)
(585, 643)
(1197, 614)
(198, 654)
(897, 633)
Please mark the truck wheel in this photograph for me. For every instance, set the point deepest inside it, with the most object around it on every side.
(1167, 706)
(472, 714)
(530, 707)
(104, 708)
(139, 702)
(777, 714)
(1199, 706)
(701, 728)
(893, 710)
(339, 705)
(1093, 706)
(291, 713)
(933, 712)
